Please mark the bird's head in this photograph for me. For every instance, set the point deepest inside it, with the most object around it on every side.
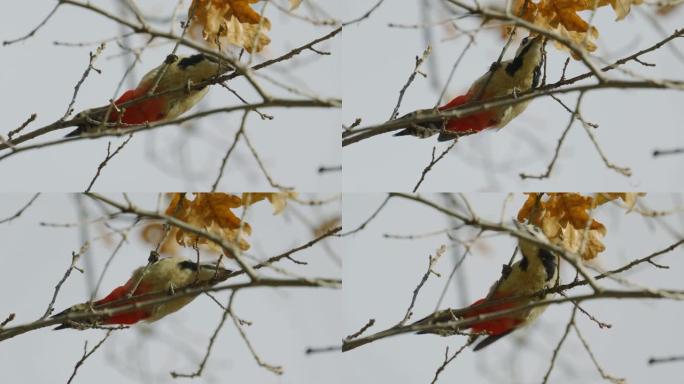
(528, 60)
(532, 252)
(206, 272)
(530, 46)
(180, 71)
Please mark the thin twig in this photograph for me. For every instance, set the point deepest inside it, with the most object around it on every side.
(571, 322)
(604, 375)
(34, 30)
(432, 163)
(561, 139)
(416, 70)
(22, 126)
(106, 160)
(278, 370)
(200, 368)
(21, 210)
(74, 259)
(230, 151)
(261, 165)
(660, 360)
(363, 329)
(448, 360)
(432, 260)
(77, 87)
(372, 216)
(662, 152)
(364, 16)
(86, 354)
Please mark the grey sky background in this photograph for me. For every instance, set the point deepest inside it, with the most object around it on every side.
(378, 59)
(380, 275)
(369, 63)
(39, 77)
(285, 321)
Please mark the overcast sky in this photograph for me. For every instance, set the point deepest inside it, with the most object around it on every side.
(39, 77)
(368, 64)
(380, 275)
(285, 321)
(378, 59)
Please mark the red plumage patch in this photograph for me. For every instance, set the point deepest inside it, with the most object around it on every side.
(468, 124)
(494, 326)
(127, 317)
(119, 293)
(148, 110)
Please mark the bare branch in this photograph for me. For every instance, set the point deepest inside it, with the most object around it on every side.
(86, 354)
(21, 210)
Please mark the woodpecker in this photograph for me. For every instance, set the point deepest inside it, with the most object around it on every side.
(180, 74)
(164, 276)
(503, 79)
(535, 271)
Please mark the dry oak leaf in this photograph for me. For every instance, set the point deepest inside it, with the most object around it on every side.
(573, 240)
(561, 16)
(630, 198)
(564, 218)
(152, 233)
(211, 212)
(231, 21)
(668, 9)
(566, 208)
(295, 4)
(278, 199)
(327, 225)
(622, 7)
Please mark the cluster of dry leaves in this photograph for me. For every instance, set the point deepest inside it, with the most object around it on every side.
(232, 22)
(212, 212)
(561, 16)
(565, 218)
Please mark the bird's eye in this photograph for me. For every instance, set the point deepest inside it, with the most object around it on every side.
(524, 40)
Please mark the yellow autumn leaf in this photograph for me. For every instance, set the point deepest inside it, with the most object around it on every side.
(327, 224)
(573, 240)
(152, 233)
(562, 17)
(232, 22)
(295, 4)
(630, 198)
(565, 220)
(622, 7)
(213, 213)
(278, 199)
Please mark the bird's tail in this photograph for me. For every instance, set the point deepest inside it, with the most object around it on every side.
(64, 325)
(421, 130)
(76, 132)
(439, 317)
(70, 324)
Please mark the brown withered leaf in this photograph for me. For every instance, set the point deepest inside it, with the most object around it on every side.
(327, 225)
(630, 198)
(561, 16)
(622, 7)
(232, 22)
(213, 213)
(278, 199)
(565, 218)
(572, 240)
(295, 4)
(668, 9)
(153, 232)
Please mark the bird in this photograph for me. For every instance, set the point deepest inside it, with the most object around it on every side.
(175, 96)
(163, 277)
(505, 78)
(536, 271)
